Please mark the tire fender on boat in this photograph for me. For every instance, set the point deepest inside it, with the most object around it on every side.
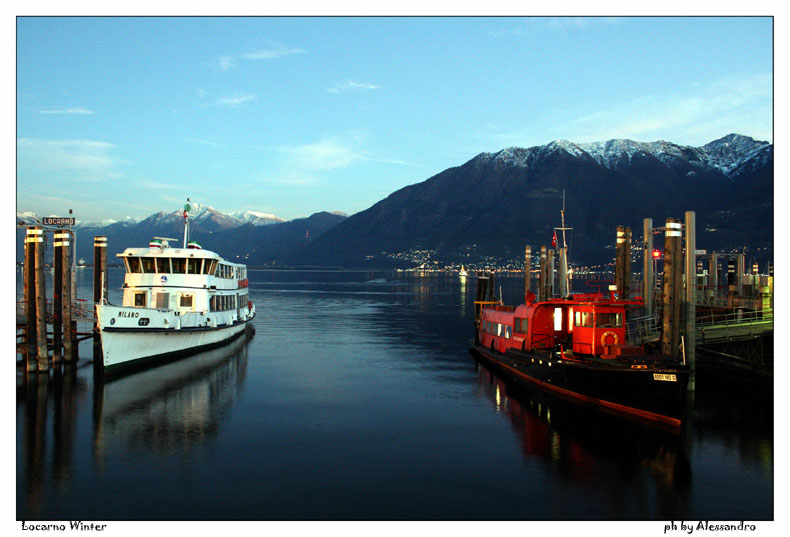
(609, 333)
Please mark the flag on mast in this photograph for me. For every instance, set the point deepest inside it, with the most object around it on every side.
(554, 239)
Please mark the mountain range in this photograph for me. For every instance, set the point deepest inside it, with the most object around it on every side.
(485, 210)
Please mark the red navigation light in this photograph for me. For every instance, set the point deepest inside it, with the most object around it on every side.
(656, 254)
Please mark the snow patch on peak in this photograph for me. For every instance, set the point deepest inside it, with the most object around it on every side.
(257, 218)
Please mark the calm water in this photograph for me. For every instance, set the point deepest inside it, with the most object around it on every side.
(358, 399)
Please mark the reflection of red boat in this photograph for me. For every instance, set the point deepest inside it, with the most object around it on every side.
(578, 347)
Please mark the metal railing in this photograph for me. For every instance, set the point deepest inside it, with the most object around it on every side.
(81, 310)
(736, 318)
(642, 329)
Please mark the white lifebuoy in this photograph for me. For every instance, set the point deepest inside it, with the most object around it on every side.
(609, 333)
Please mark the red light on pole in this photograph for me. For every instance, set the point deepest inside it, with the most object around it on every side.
(656, 254)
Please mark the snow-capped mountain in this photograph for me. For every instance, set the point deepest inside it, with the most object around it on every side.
(726, 154)
(257, 218)
(126, 221)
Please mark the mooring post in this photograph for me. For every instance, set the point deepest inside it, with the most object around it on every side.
(647, 266)
(691, 296)
(550, 276)
(543, 274)
(622, 266)
(673, 266)
(68, 331)
(527, 267)
(31, 237)
(99, 268)
(42, 351)
(57, 297)
(713, 276)
(740, 271)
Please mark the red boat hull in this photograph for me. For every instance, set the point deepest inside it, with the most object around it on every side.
(656, 394)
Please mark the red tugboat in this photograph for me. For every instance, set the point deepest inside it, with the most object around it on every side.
(577, 347)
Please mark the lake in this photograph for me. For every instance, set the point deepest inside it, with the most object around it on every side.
(357, 399)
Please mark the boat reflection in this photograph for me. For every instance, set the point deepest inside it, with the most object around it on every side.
(595, 449)
(171, 407)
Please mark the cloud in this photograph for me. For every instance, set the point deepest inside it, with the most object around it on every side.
(702, 113)
(235, 100)
(203, 142)
(269, 54)
(276, 50)
(529, 25)
(351, 86)
(73, 110)
(225, 63)
(85, 160)
(326, 154)
(563, 23)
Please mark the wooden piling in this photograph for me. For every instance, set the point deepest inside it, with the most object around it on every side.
(739, 272)
(543, 274)
(57, 297)
(550, 274)
(690, 331)
(713, 275)
(527, 267)
(673, 266)
(42, 351)
(69, 353)
(31, 237)
(647, 265)
(622, 269)
(99, 268)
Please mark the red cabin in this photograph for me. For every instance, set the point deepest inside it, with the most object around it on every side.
(583, 324)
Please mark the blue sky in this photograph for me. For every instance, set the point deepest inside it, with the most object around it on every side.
(128, 116)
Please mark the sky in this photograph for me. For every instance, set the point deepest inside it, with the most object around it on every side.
(127, 116)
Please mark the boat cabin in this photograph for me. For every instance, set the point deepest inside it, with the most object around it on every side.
(583, 324)
(182, 279)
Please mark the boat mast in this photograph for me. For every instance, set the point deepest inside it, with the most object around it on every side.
(187, 208)
(563, 276)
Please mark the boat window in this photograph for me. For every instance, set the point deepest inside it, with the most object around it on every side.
(139, 300)
(162, 300)
(179, 265)
(186, 301)
(134, 264)
(522, 326)
(584, 319)
(148, 265)
(194, 266)
(609, 320)
(162, 265)
(557, 319)
(508, 331)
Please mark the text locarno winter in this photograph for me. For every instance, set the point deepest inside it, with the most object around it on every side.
(74, 525)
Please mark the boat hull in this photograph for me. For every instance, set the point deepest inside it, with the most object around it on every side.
(655, 394)
(124, 349)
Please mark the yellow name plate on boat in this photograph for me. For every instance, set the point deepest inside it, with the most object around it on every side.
(665, 377)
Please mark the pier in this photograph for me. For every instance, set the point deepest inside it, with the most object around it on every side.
(701, 305)
(46, 328)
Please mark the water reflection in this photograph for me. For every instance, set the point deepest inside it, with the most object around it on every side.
(47, 412)
(597, 450)
(170, 409)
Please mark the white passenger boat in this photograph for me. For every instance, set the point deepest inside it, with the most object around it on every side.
(175, 301)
